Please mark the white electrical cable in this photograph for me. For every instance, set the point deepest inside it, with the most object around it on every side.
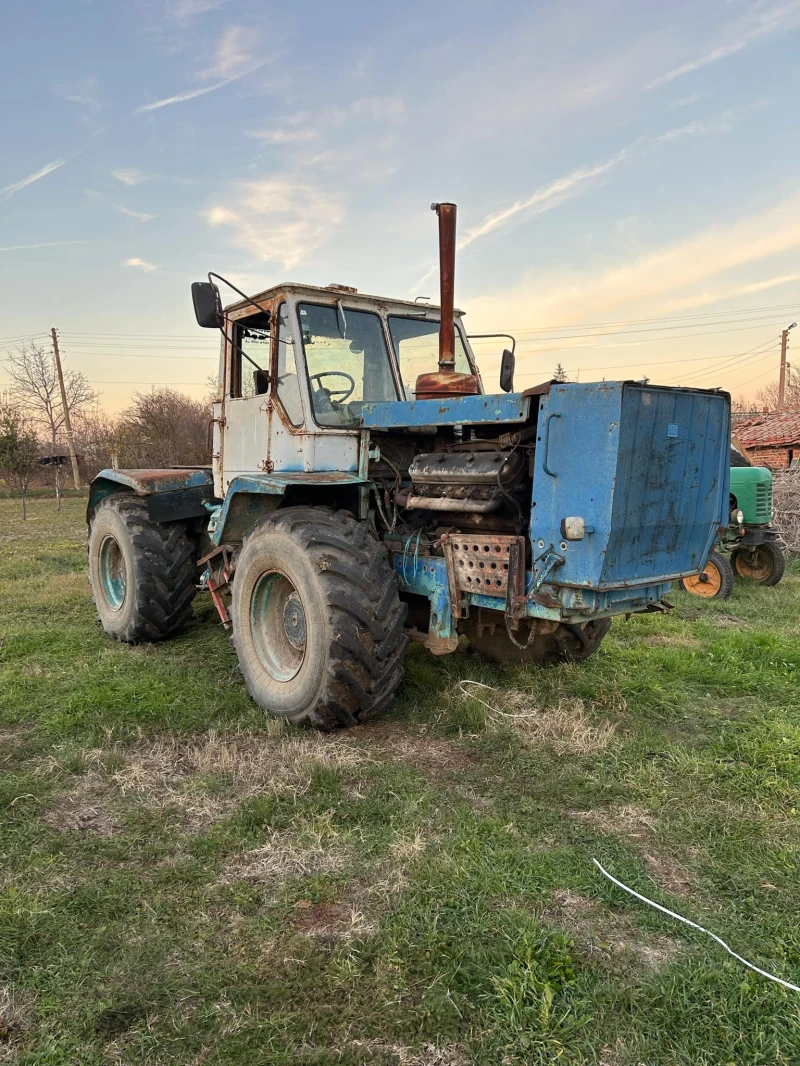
(488, 706)
(694, 925)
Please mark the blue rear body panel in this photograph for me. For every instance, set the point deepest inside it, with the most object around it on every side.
(645, 467)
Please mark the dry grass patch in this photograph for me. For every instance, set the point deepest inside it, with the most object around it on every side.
(565, 726)
(605, 935)
(674, 640)
(332, 921)
(16, 1021)
(638, 826)
(173, 774)
(434, 756)
(284, 856)
(402, 1055)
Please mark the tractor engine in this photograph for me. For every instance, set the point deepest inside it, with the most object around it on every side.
(466, 481)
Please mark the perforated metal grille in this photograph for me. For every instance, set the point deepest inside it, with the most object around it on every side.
(481, 563)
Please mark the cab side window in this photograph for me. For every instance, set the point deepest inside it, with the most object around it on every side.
(288, 386)
(250, 356)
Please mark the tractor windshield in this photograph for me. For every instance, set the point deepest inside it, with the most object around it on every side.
(348, 364)
(416, 342)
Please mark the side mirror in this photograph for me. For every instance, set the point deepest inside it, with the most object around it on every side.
(507, 364)
(207, 304)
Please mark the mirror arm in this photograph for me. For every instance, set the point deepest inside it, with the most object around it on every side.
(482, 336)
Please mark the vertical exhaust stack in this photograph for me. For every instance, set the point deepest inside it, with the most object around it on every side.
(447, 283)
(446, 383)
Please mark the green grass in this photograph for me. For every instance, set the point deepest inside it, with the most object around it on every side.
(183, 881)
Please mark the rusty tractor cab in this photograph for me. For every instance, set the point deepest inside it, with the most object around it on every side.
(365, 490)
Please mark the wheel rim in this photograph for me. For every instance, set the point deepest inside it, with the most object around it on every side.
(112, 573)
(278, 624)
(755, 567)
(707, 583)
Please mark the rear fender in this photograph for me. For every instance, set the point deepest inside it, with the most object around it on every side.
(172, 495)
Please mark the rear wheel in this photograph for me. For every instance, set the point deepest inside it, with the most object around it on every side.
(568, 643)
(715, 581)
(317, 618)
(763, 564)
(142, 572)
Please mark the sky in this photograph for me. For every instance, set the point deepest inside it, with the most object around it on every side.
(627, 175)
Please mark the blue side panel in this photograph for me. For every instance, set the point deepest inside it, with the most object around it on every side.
(647, 470)
(464, 410)
(671, 493)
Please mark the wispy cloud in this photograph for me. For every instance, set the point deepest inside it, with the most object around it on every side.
(181, 98)
(139, 215)
(185, 11)
(684, 101)
(279, 220)
(759, 22)
(576, 182)
(9, 190)
(42, 244)
(142, 264)
(128, 176)
(283, 136)
(84, 92)
(662, 280)
(234, 52)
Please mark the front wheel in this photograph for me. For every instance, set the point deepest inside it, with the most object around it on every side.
(764, 564)
(715, 580)
(317, 618)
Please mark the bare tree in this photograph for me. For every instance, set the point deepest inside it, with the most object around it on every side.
(95, 435)
(164, 428)
(34, 386)
(768, 396)
(19, 452)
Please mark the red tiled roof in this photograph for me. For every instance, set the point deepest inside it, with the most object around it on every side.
(777, 428)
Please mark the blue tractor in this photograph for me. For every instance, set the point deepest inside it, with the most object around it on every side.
(365, 490)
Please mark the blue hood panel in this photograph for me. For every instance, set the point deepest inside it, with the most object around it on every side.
(462, 411)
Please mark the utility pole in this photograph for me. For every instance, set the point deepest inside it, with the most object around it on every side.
(782, 374)
(67, 423)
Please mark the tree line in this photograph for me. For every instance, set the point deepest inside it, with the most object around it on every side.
(161, 428)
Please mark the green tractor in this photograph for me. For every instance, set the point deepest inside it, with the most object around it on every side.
(750, 547)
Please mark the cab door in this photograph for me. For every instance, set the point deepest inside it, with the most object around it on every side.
(245, 446)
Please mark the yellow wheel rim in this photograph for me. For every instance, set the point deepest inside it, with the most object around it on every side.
(707, 583)
(755, 567)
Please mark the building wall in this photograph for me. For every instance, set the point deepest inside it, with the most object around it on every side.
(774, 458)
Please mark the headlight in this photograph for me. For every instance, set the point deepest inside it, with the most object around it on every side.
(739, 516)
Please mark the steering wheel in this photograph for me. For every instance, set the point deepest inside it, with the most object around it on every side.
(345, 393)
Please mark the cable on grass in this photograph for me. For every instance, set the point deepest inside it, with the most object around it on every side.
(488, 706)
(694, 925)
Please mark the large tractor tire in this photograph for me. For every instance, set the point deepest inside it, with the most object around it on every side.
(142, 572)
(317, 618)
(715, 581)
(765, 564)
(569, 643)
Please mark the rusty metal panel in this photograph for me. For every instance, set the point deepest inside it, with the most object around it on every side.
(481, 563)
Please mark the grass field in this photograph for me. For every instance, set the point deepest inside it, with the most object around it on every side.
(183, 881)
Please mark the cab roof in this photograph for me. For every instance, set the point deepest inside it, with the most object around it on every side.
(341, 292)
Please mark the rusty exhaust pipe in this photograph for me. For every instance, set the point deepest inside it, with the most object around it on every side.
(447, 283)
(445, 382)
